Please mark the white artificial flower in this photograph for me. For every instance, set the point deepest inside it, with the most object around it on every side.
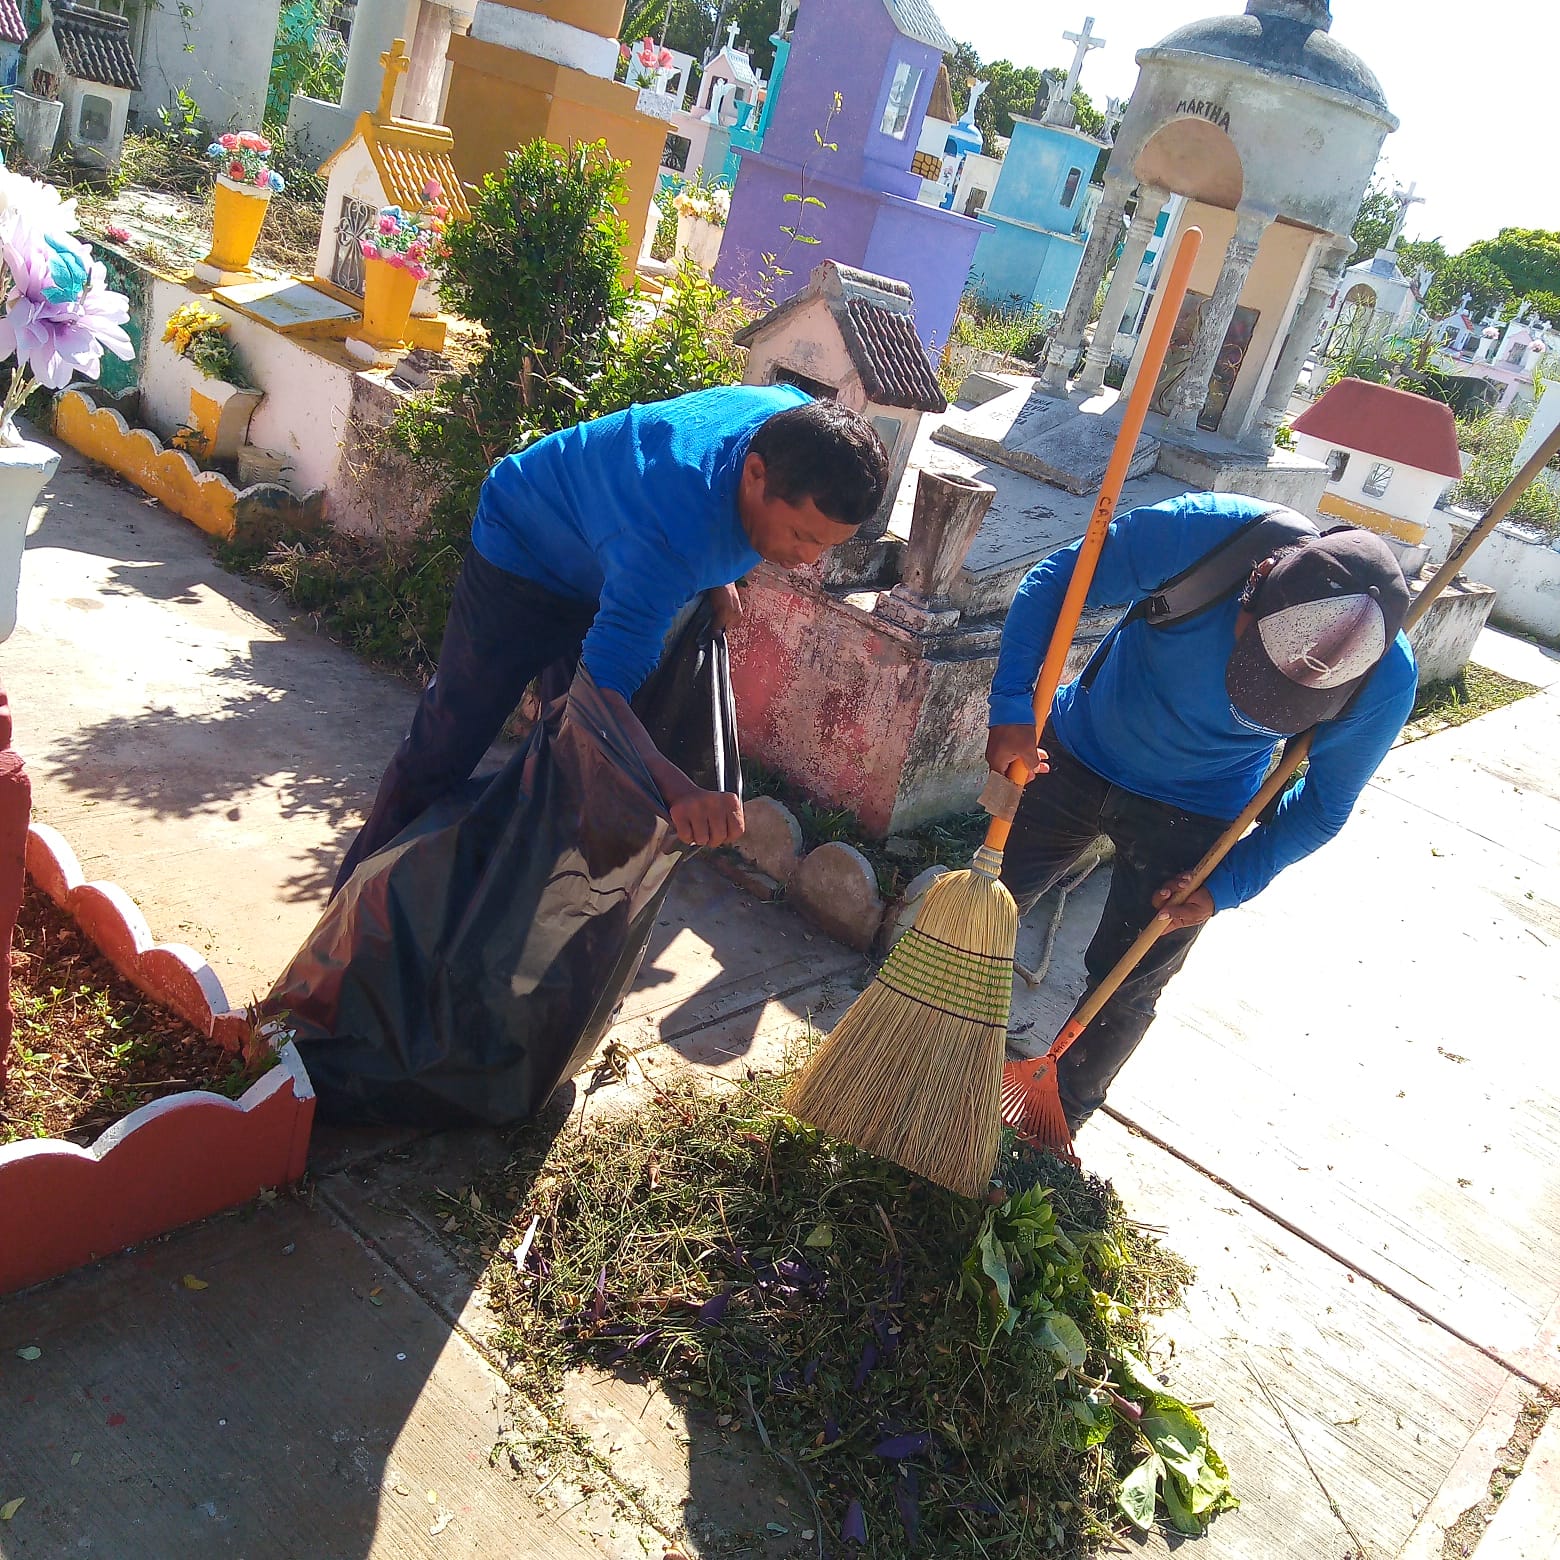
(39, 202)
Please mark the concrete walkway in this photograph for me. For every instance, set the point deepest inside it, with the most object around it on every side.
(1346, 1117)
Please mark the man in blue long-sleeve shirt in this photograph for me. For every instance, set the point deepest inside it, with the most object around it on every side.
(1168, 734)
(587, 544)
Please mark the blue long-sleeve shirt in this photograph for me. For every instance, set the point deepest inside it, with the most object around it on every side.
(1157, 719)
(636, 511)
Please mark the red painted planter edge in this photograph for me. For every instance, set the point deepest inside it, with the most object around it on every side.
(175, 1160)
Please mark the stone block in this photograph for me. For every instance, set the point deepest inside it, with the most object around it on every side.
(745, 875)
(836, 889)
(773, 840)
(902, 913)
(1443, 639)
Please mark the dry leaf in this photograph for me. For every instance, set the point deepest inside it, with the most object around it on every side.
(191, 1282)
(401, 1489)
(31, 1352)
(75, 1457)
(451, 1222)
(441, 1522)
(433, 1497)
(10, 1508)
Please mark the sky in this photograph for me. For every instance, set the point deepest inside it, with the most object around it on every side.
(1476, 101)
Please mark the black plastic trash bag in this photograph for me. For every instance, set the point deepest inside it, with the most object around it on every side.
(469, 968)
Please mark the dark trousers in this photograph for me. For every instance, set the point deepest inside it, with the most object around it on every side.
(502, 631)
(1060, 816)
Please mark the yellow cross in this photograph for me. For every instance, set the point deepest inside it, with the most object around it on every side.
(395, 61)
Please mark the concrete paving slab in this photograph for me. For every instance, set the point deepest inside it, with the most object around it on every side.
(1527, 1525)
(1378, 1400)
(305, 1403)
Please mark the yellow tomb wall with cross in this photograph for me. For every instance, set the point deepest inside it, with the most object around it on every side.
(534, 69)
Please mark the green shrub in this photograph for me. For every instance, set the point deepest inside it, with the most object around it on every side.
(538, 268)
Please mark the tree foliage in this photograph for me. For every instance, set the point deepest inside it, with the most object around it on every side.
(307, 57)
(698, 27)
(1013, 90)
(1373, 223)
(1472, 274)
(1529, 259)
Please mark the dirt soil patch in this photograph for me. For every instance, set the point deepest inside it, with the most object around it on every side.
(88, 1047)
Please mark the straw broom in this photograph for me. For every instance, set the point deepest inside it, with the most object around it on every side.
(913, 1070)
(1031, 1089)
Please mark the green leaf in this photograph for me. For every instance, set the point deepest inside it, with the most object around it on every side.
(1136, 1496)
(807, 238)
(31, 1352)
(1212, 1491)
(820, 1237)
(1177, 1434)
(10, 1508)
(1086, 1423)
(1137, 1375)
(787, 199)
(1182, 1518)
(1060, 1334)
(812, 200)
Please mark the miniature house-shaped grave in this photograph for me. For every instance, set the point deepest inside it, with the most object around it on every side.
(384, 162)
(85, 56)
(850, 336)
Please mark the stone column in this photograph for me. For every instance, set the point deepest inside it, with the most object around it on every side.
(1150, 202)
(1325, 277)
(1091, 272)
(376, 26)
(1186, 398)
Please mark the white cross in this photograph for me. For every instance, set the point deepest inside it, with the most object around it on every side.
(1404, 199)
(731, 36)
(1085, 41)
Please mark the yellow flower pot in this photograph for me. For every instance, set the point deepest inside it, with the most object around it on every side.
(388, 294)
(235, 225)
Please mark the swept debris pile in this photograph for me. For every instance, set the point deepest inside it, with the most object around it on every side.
(944, 1376)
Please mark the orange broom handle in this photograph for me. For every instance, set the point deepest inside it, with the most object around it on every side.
(1050, 679)
(1295, 751)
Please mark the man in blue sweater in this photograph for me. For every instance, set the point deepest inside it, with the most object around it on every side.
(1170, 730)
(588, 543)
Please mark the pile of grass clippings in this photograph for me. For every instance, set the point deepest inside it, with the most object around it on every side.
(947, 1377)
(89, 1048)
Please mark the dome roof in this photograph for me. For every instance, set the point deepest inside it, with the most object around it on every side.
(1281, 45)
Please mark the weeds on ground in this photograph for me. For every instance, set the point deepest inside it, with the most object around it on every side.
(944, 1376)
(1475, 691)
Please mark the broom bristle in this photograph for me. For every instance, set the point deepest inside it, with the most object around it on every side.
(913, 1070)
(1032, 1106)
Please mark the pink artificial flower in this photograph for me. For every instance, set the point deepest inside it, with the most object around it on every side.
(369, 248)
(236, 170)
(263, 179)
(664, 60)
(56, 341)
(387, 224)
(116, 234)
(253, 142)
(228, 141)
(433, 190)
(623, 53)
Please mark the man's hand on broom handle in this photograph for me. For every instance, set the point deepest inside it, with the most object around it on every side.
(1008, 744)
(1192, 910)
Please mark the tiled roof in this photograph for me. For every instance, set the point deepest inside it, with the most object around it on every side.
(941, 105)
(1393, 425)
(12, 28)
(96, 47)
(877, 324)
(916, 19)
(406, 156)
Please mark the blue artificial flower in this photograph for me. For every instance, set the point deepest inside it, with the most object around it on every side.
(68, 269)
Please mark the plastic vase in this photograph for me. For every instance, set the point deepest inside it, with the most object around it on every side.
(235, 225)
(388, 293)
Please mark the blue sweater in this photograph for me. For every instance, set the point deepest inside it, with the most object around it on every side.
(636, 511)
(1158, 720)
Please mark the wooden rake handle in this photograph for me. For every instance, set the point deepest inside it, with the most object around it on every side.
(1295, 751)
(1115, 479)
